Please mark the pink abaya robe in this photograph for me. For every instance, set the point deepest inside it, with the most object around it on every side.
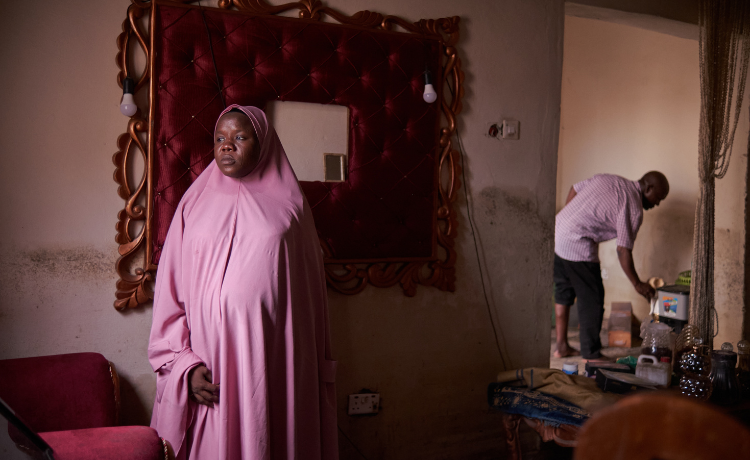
(241, 289)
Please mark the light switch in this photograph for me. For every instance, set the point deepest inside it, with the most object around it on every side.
(510, 129)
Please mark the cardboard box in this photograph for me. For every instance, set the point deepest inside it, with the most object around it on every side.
(621, 339)
(620, 320)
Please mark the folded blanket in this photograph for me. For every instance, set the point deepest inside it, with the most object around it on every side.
(578, 390)
(533, 404)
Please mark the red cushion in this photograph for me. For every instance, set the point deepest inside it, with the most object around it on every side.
(387, 207)
(60, 392)
(116, 443)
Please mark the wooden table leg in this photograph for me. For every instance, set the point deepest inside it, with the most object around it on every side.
(511, 422)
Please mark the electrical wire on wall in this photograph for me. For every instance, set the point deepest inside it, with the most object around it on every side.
(352, 443)
(495, 329)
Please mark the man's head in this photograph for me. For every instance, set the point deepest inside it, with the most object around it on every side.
(654, 188)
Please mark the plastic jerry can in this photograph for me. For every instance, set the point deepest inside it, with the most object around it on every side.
(654, 371)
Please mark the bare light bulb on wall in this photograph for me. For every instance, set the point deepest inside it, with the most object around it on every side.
(127, 106)
(429, 95)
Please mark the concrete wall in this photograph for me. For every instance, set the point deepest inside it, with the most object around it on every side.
(430, 356)
(57, 137)
(631, 103)
(730, 239)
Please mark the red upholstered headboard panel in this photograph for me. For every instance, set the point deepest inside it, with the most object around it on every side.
(392, 221)
(386, 209)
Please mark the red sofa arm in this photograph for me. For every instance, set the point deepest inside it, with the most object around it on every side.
(61, 392)
(115, 443)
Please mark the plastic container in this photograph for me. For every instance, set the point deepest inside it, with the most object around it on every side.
(656, 341)
(648, 368)
(570, 368)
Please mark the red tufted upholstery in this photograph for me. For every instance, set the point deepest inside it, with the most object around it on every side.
(59, 392)
(116, 443)
(387, 207)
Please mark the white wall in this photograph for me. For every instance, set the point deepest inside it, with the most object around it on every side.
(307, 132)
(631, 103)
(431, 356)
(730, 239)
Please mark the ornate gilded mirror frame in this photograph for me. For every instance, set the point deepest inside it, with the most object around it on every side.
(136, 266)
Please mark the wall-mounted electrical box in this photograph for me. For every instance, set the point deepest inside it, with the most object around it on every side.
(364, 403)
(506, 129)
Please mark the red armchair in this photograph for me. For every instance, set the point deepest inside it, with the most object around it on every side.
(73, 402)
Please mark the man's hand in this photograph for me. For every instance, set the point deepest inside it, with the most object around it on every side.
(625, 256)
(201, 388)
(645, 290)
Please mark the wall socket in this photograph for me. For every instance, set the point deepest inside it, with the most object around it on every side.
(364, 403)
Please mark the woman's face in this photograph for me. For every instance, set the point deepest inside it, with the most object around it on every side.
(236, 147)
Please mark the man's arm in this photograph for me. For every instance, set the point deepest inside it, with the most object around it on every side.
(625, 256)
(571, 194)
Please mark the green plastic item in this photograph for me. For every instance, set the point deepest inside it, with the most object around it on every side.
(631, 361)
(684, 278)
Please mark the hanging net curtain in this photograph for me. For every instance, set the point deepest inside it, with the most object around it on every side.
(724, 47)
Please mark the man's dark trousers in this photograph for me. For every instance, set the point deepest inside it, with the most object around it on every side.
(582, 281)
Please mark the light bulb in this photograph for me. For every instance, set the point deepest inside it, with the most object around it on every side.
(429, 95)
(127, 106)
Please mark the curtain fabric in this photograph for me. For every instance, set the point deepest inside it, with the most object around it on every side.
(724, 51)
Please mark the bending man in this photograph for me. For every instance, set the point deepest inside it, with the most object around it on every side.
(598, 209)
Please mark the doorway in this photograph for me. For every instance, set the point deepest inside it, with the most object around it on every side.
(631, 104)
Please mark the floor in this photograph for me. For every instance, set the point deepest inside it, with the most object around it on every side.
(574, 341)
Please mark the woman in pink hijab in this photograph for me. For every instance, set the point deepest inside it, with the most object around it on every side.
(240, 339)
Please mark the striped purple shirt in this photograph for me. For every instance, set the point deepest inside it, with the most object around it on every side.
(605, 207)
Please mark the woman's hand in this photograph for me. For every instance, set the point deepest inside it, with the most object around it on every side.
(201, 388)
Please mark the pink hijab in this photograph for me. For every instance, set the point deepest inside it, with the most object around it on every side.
(241, 289)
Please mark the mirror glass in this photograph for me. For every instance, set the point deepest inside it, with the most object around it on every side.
(308, 132)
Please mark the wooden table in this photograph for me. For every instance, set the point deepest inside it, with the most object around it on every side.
(563, 435)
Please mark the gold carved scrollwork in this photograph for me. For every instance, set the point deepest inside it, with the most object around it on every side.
(134, 265)
(134, 286)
